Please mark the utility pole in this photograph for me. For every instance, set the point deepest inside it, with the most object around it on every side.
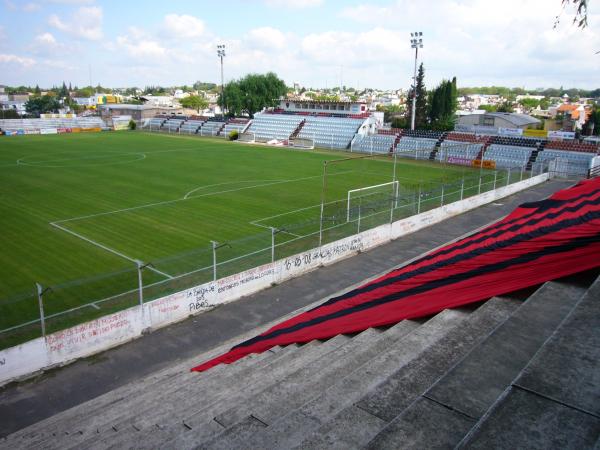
(416, 42)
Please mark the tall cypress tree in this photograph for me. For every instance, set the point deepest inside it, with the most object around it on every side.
(421, 106)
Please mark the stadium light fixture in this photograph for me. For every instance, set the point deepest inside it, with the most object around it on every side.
(416, 42)
(221, 54)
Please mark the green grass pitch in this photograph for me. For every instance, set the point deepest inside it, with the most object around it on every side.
(77, 210)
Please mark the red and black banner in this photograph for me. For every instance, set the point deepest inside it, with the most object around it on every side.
(537, 242)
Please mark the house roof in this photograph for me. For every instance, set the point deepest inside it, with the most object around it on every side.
(518, 120)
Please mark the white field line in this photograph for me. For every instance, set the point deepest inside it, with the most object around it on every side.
(108, 249)
(28, 163)
(186, 196)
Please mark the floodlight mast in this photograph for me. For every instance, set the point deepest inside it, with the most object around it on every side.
(221, 54)
(416, 42)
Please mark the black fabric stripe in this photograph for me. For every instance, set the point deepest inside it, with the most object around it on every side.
(483, 270)
(474, 252)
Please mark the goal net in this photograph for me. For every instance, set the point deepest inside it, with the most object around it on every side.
(371, 199)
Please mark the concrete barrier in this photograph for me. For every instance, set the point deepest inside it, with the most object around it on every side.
(115, 329)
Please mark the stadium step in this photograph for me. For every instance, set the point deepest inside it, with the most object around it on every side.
(446, 411)
(555, 401)
(88, 418)
(349, 387)
(126, 431)
(301, 386)
(353, 428)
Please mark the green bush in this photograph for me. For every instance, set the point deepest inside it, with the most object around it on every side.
(233, 135)
(132, 125)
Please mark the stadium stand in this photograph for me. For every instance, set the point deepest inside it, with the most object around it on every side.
(30, 125)
(191, 126)
(374, 143)
(330, 132)
(381, 388)
(234, 125)
(572, 146)
(508, 156)
(578, 163)
(172, 125)
(461, 150)
(267, 126)
(212, 126)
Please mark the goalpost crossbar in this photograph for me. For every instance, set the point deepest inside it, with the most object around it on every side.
(395, 188)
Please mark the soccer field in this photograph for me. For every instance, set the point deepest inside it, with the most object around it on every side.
(78, 210)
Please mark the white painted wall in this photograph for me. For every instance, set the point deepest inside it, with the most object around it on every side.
(115, 329)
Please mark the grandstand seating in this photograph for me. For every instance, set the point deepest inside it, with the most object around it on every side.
(508, 156)
(455, 149)
(191, 126)
(410, 143)
(40, 124)
(172, 125)
(212, 126)
(572, 146)
(234, 125)
(374, 143)
(155, 123)
(330, 132)
(274, 126)
(466, 137)
(516, 141)
(427, 134)
(578, 163)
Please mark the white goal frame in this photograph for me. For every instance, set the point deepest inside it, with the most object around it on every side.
(396, 188)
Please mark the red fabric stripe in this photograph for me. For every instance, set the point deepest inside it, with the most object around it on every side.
(476, 288)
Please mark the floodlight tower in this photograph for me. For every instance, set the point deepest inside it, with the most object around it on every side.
(221, 54)
(416, 42)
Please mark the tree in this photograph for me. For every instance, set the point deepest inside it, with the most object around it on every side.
(37, 90)
(194, 102)
(40, 105)
(421, 101)
(529, 103)
(581, 10)
(442, 105)
(252, 93)
(505, 107)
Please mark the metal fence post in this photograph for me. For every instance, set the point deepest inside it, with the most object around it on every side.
(442, 196)
(40, 295)
(479, 188)
(462, 187)
(359, 211)
(214, 250)
(140, 266)
(273, 244)
(419, 201)
(508, 176)
(495, 176)
(521, 178)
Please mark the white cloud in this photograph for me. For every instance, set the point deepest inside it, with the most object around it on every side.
(84, 23)
(31, 7)
(45, 39)
(22, 61)
(295, 4)
(266, 37)
(183, 26)
(140, 45)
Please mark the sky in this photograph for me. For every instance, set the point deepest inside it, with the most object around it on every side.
(316, 43)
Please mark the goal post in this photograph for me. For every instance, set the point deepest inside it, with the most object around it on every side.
(372, 195)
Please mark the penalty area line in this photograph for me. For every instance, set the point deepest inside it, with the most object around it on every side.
(108, 249)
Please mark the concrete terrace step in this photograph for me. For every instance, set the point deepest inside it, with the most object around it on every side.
(85, 417)
(447, 410)
(294, 426)
(90, 424)
(153, 421)
(351, 428)
(554, 402)
(299, 387)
